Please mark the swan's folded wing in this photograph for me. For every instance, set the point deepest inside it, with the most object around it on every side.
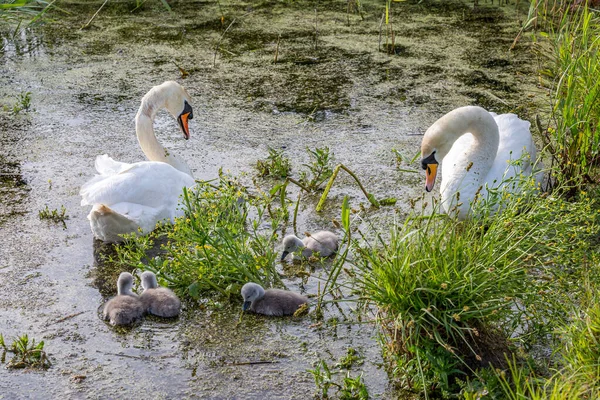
(515, 136)
(148, 183)
(107, 166)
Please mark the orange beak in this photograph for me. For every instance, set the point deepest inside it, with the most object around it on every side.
(430, 174)
(183, 123)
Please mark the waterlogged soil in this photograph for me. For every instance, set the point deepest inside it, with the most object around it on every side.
(286, 75)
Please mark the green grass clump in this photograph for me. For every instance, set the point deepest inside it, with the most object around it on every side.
(55, 215)
(451, 293)
(275, 165)
(221, 243)
(573, 135)
(27, 354)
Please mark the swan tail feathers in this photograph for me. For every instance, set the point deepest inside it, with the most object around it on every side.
(107, 224)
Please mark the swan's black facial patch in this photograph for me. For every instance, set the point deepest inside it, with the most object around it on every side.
(187, 109)
(430, 159)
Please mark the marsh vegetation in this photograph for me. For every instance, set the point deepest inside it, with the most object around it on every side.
(504, 306)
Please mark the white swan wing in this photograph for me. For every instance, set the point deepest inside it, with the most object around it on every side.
(515, 143)
(147, 183)
(107, 166)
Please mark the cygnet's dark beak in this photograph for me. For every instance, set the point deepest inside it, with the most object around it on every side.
(246, 305)
(183, 118)
(284, 255)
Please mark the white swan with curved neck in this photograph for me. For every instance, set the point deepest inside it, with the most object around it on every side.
(126, 197)
(477, 150)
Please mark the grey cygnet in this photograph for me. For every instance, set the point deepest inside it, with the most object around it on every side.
(274, 302)
(157, 300)
(323, 242)
(126, 307)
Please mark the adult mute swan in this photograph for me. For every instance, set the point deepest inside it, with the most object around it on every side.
(477, 149)
(126, 197)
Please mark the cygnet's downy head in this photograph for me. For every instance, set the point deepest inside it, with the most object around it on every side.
(291, 244)
(251, 292)
(177, 102)
(149, 280)
(124, 283)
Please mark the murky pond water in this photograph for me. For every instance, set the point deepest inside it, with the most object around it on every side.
(331, 86)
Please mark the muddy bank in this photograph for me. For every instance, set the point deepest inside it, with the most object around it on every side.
(334, 85)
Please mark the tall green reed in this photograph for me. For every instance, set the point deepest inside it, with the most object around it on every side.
(573, 66)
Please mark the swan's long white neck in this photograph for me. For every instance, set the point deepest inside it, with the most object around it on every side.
(144, 128)
(481, 153)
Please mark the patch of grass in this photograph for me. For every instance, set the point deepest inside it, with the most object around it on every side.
(27, 354)
(451, 293)
(275, 165)
(573, 66)
(55, 215)
(223, 241)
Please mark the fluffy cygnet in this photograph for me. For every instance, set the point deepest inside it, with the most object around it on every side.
(126, 307)
(274, 302)
(157, 300)
(323, 242)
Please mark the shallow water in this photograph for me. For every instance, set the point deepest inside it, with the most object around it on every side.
(335, 89)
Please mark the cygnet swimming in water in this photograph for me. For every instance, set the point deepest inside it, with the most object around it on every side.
(273, 302)
(323, 242)
(126, 307)
(157, 300)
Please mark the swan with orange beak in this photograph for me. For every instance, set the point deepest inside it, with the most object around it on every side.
(478, 151)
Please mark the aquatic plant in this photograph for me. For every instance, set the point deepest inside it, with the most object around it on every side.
(349, 389)
(223, 241)
(23, 103)
(351, 358)
(55, 215)
(27, 354)
(275, 165)
(319, 169)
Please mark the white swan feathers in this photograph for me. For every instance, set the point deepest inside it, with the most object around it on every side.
(478, 150)
(126, 197)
